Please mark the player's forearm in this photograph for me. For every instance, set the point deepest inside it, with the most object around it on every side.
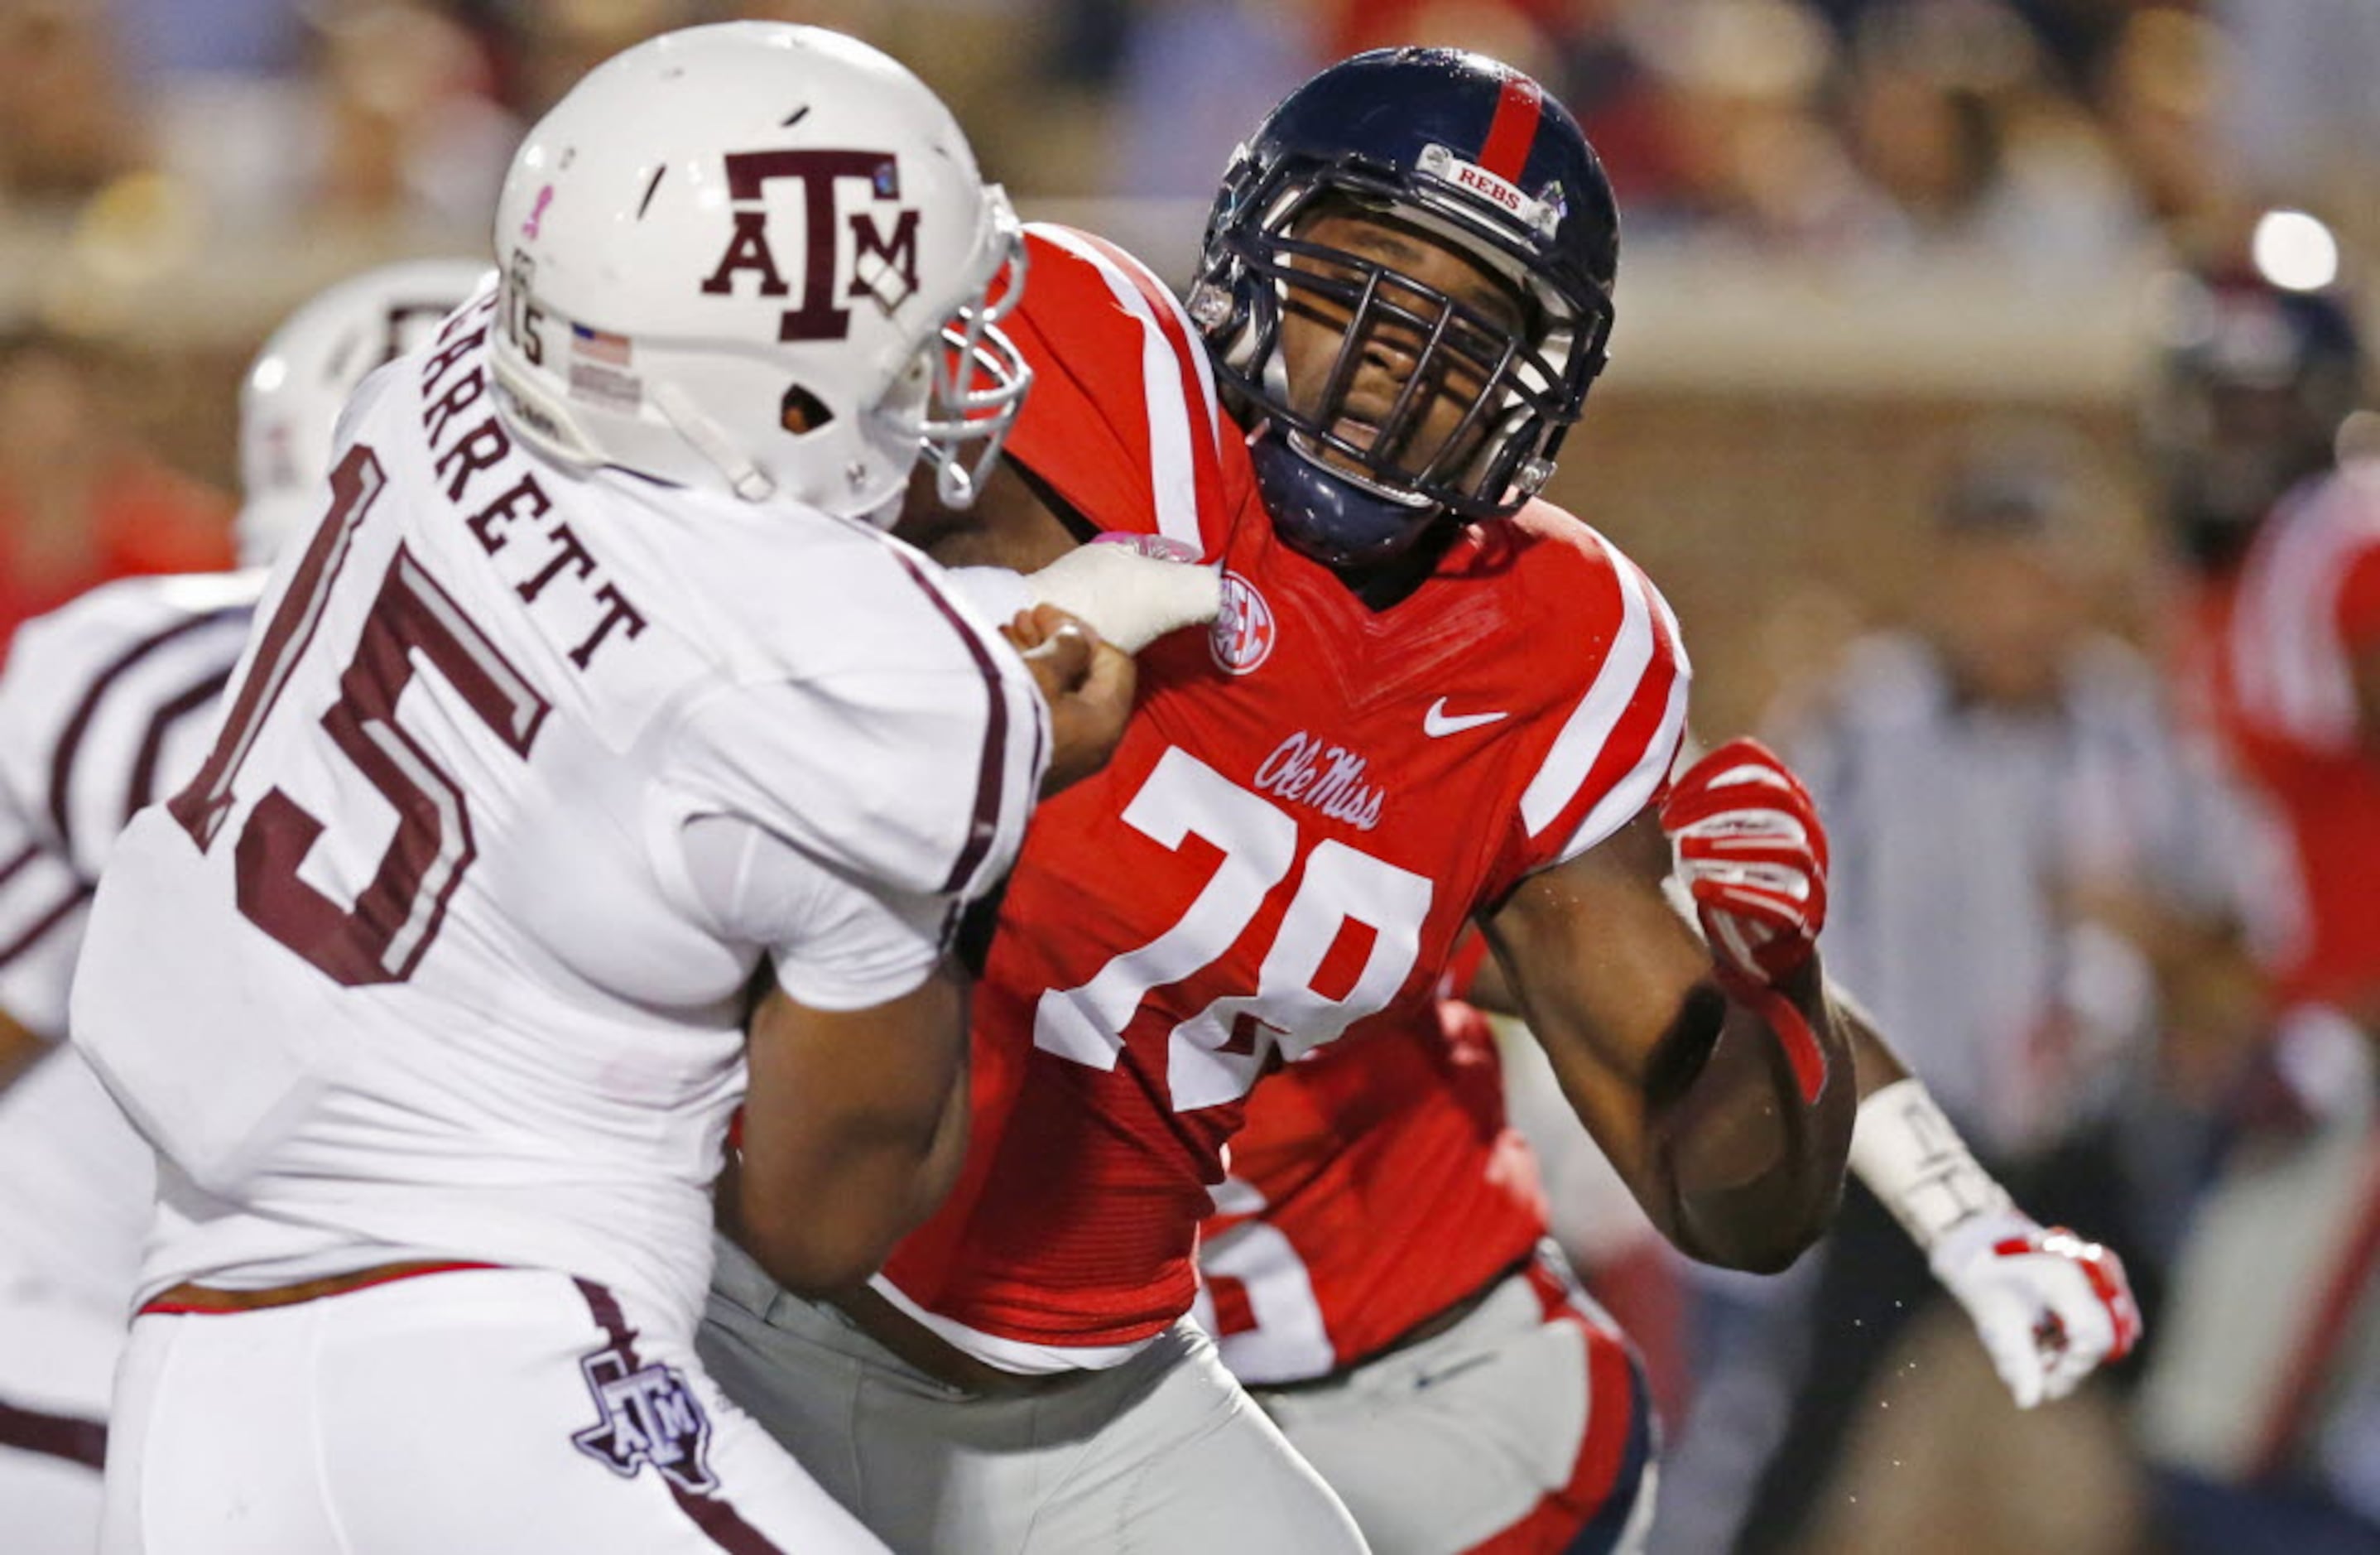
(1750, 1158)
(1906, 1151)
(831, 1226)
(1877, 1065)
(853, 1133)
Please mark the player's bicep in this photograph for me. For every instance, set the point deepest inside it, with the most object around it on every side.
(855, 1126)
(1604, 970)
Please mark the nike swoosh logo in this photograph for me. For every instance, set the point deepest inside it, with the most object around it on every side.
(1438, 723)
(1432, 1379)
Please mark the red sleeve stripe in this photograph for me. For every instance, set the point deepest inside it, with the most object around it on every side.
(1642, 783)
(2289, 659)
(1658, 755)
(1175, 375)
(1619, 739)
(1513, 130)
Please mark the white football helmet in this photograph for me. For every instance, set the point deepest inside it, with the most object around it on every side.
(758, 258)
(289, 403)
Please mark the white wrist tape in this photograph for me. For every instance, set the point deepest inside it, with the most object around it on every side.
(1911, 1158)
(1133, 599)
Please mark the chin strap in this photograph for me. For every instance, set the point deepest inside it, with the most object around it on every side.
(744, 478)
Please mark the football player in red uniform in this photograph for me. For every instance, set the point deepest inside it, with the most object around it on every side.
(1431, 700)
(2258, 1411)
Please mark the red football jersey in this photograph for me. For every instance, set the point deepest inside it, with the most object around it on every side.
(2274, 660)
(1310, 802)
(1372, 1187)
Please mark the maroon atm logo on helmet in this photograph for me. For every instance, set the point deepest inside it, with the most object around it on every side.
(884, 265)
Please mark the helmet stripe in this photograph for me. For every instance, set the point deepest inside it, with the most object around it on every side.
(1514, 128)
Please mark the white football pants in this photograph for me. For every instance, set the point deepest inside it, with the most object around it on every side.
(1164, 1454)
(1525, 1426)
(451, 1413)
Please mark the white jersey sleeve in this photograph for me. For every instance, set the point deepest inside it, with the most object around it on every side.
(104, 706)
(835, 943)
(41, 903)
(917, 777)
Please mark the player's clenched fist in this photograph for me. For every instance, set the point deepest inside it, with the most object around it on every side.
(1089, 683)
(2049, 1306)
(1753, 854)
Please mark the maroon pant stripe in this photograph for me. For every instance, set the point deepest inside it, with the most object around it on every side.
(53, 1436)
(724, 1525)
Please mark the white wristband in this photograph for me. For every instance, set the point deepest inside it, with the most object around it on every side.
(1911, 1158)
(1131, 597)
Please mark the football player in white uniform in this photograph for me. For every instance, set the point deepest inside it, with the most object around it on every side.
(104, 702)
(597, 720)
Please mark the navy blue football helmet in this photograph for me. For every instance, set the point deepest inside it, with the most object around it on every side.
(2253, 382)
(1466, 154)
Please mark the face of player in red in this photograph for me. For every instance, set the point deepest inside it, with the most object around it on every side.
(1390, 342)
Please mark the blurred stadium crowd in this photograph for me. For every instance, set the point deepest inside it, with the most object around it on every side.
(1878, 381)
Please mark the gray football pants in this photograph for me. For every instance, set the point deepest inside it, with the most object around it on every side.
(1162, 1455)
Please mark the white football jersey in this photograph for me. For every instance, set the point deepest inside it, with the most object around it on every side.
(105, 703)
(415, 967)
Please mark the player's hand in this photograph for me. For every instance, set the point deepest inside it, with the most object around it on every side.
(1753, 854)
(1089, 683)
(2049, 1306)
(1133, 588)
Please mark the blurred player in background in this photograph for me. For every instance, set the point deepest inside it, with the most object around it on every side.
(597, 720)
(2263, 1407)
(104, 704)
(2002, 776)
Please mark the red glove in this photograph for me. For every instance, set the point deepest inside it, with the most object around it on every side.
(1751, 853)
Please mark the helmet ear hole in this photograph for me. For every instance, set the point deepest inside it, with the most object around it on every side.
(803, 412)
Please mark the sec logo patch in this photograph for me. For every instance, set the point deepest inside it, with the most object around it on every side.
(1242, 634)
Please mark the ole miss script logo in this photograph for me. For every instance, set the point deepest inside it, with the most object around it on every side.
(883, 242)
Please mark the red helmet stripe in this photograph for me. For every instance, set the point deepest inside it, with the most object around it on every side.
(1514, 128)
